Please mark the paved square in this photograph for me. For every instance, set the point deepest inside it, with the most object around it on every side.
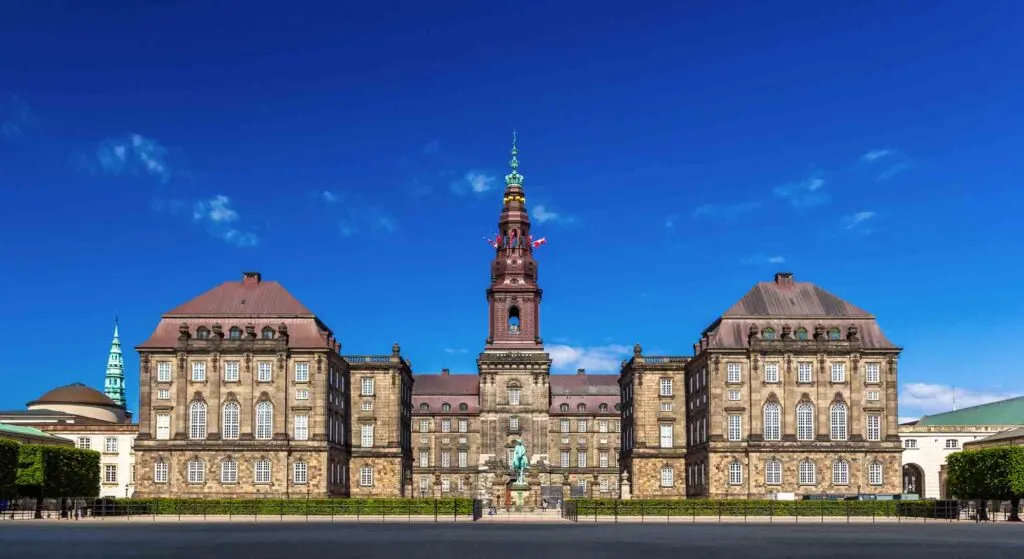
(507, 541)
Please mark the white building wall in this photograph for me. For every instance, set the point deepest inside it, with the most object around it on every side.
(930, 448)
(121, 461)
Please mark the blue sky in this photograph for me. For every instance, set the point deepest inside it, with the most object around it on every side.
(673, 156)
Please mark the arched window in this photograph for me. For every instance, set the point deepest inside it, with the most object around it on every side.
(837, 420)
(202, 333)
(773, 472)
(834, 334)
(768, 334)
(424, 407)
(261, 471)
(463, 407)
(840, 472)
(229, 428)
(268, 333)
(197, 420)
(772, 421)
(513, 320)
(563, 408)
(735, 473)
(581, 408)
(229, 471)
(808, 473)
(618, 407)
(804, 421)
(264, 420)
(235, 333)
(875, 473)
(300, 472)
(801, 333)
(196, 471)
(602, 408)
(446, 407)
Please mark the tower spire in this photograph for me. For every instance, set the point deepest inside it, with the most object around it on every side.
(113, 385)
(514, 178)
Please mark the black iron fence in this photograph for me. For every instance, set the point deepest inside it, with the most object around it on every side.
(363, 510)
(699, 510)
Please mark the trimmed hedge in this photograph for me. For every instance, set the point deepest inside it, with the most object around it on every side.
(706, 507)
(292, 507)
(54, 471)
(988, 473)
(8, 467)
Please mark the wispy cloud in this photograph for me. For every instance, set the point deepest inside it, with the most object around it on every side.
(606, 358)
(876, 154)
(804, 194)
(762, 259)
(329, 197)
(15, 117)
(132, 154)
(455, 350)
(893, 170)
(924, 398)
(894, 162)
(670, 222)
(221, 220)
(475, 182)
(543, 215)
(431, 147)
(728, 212)
(857, 220)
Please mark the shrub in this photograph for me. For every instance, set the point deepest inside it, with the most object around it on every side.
(299, 507)
(8, 467)
(54, 471)
(737, 507)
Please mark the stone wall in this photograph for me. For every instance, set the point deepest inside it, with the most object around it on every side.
(647, 478)
(387, 476)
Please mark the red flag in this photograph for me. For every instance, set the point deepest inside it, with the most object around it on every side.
(540, 241)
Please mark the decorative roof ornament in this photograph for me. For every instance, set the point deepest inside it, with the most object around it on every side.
(514, 178)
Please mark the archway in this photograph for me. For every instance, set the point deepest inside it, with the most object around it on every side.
(913, 479)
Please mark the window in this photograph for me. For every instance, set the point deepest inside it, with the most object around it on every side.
(513, 424)
(873, 396)
(952, 443)
(446, 459)
(771, 372)
(163, 394)
(424, 407)
(163, 427)
(463, 459)
(564, 425)
(733, 372)
(110, 444)
(734, 395)
(602, 460)
(840, 473)
(263, 371)
(564, 459)
(874, 427)
(231, 369)
(581, 459)
(235, 333)
(366, 476)
(302, 427)
(366, 436)
(807, 473)
(446, 426)
(163, 371)
(772, 422)
(665, 387)
(839, 372)
(735, 473)
(602, 408)
(735, 425)
(261, 471)
(463, 425)
(424, 425)
(160, 471)
(202, 333)
(833, 334)
(301, 374)
(199, 371)
(582, 484)
(805, 421)
(604, 485)
(768, 334)
(773, 472)
(463, 407)
(801, 333)
(910, 443)
(667, 477)
(424, 459)
(264, 420)
(301, 393)
(268, 333)
(230, 420)
(666, 435)
(366, 388)
(110, 473)
(602, 426)
(803, 372)
(666, 406)
(581, 426)
(581, 408)
(197, 420)
(446, 407)
(229, 471)
(300, 472)
(837, 416)
(872, 373)
(513, 395)
(196, 471)
(563, 408)
(875, 473)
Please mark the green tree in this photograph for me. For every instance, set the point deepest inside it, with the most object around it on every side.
(8, 467)
(989, 473)
(49, 472)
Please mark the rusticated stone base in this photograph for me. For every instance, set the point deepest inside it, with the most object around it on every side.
(647, 478)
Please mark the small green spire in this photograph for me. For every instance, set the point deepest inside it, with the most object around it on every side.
(514, 177)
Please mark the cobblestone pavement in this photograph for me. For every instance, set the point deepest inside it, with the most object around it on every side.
(508, 541)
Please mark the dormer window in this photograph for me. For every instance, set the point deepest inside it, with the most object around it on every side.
(768, 334)
(801, 333)
(446, 407)
(268, 333)
(581, 408)
(563, 408)
(834, 334)
(424, 407)
(513, 320)
(463, 407)
(602, 408)
(202, 333)
(235, 333)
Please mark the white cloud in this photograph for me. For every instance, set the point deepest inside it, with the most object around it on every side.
(670, 222)
(386, 223)
(924, 398)
(474, 181)
(728, 212)
(134, 154)
(853, 221)
(892, 171)
(454, 350)
(803, 194)
(762, 259)
(598, 359)
(902, 420)
(219, 218)
(330, 197)
(876, 154)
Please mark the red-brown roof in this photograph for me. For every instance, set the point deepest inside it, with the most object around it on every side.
(444, 385)
(584, 385)
(249, 297)
(303, 333)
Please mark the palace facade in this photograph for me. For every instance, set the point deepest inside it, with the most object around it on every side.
(244, 392)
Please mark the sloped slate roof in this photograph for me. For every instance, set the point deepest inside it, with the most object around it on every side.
(242, 298)
(446, 385)
(584, 385)
(792, 298)
(1003, 412)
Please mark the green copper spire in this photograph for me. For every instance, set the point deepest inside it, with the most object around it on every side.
(514, 177)
(113, 386)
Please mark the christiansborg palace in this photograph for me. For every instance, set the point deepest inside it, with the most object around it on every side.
(244, 393)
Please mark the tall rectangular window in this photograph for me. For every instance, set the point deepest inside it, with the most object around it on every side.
(463, 459)
(366, 436)
(163, 426)
(446, 459)
(302, 427)
(263, 371)
(563, 459)
(771, 372)
(839, 372)
(229, 471)
(199, 371)
(163, 371)
(602, 426)
(110, 473)
(424, 425)
(666, 435)
(366, 476)
(665, 387)
(231, 369)
(602, 460)
(733, 372)
(302, 372)
(160, 471)
(564, 425)
(463, 425)
(872, 373)
(803, 372)
(874, 427)
(513, 424)
(667, 477)
(300, 472)
(581, 458)
(513, 395)
(735, 427)
(581, 426)
(366, 386)
(446, 426)
(424, 459)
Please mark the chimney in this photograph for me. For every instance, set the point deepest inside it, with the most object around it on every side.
(784, 278)
(581, 372)
(444, 372)
(251, 278)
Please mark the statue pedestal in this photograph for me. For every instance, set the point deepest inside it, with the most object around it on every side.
(519, 492)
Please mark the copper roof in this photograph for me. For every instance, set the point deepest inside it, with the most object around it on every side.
(76, 393)
(250, 297)
(443, 384)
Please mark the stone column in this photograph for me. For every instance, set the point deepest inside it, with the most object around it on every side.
(624, 489)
